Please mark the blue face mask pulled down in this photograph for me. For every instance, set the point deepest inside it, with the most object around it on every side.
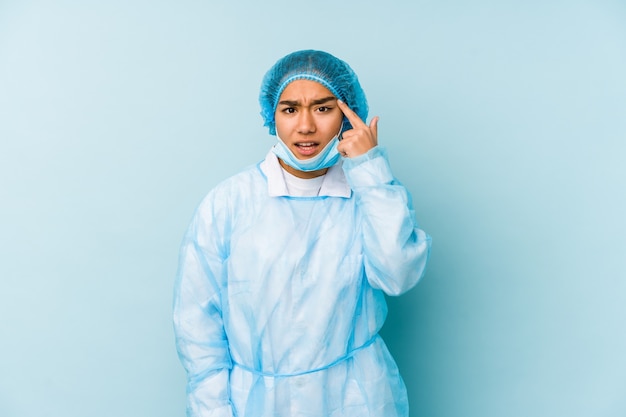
(325, 159)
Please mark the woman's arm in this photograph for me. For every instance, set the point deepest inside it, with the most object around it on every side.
(200, 337)
(396, 250)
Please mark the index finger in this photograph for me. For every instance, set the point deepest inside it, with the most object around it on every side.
(352, 117)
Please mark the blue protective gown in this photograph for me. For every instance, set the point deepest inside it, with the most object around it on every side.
(279, 299)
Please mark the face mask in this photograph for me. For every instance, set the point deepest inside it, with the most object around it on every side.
(325, 159)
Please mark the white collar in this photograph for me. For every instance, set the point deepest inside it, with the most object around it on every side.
(334, 185)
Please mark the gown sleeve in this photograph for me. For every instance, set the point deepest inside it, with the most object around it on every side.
(198, 324)
(396, 250)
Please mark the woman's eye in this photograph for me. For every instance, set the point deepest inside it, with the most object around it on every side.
(323, 109)
(289, 110)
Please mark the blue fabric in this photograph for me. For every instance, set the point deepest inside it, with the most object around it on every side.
(279, 300)
(322, 67)
(325, 159)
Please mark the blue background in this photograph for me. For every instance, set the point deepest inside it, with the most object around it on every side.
(505, 119)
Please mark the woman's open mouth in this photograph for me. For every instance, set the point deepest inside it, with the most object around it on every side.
(306, 148)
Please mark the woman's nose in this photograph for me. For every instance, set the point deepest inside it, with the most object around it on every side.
(306, 123)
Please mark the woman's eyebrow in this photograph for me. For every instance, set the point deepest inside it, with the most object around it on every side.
(294, 103)
(290, 103)
(323, 100)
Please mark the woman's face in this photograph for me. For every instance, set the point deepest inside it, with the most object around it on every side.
(307, 117)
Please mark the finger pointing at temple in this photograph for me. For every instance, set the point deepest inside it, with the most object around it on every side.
(361, 138)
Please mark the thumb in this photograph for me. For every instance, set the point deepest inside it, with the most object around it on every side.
(374, 128)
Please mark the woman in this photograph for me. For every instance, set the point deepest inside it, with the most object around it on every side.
(279, 296)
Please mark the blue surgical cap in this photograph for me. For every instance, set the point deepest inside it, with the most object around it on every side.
(331, 72)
